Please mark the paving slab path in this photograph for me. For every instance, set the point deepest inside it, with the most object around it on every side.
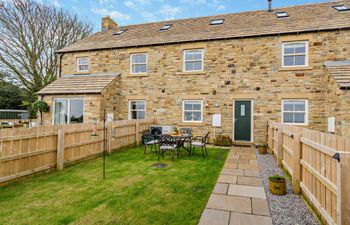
(238, 197)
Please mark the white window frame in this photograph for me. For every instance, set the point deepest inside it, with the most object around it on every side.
(146, 63)
(78, 64)
(183, 111)
(137, 100)
(68, 108)
(306, 122)
(184, 60)
(306, 53)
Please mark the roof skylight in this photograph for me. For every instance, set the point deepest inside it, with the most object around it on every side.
(217, 21)
(166, 27)
(282, 14)
(341, 8)
(121, 31)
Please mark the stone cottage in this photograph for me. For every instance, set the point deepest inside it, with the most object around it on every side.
(288, 64)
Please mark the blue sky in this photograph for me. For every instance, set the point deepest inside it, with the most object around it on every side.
(143, 11)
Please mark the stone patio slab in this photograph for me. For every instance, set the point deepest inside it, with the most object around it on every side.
(260, 207)
(230, 179)
(249, 219)
(220, 188)
(246, 191)
(214, 217)
(251, 173)
(248, 166)
(229, 203)
(229, 165)
(249, 181)
(232, 171)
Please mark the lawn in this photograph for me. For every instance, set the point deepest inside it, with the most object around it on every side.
(133, 192)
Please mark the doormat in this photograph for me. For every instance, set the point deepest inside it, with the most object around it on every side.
(159, 165)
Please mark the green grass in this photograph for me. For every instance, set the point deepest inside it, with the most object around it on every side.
(133, 192)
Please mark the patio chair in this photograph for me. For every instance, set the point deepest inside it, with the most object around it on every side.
(201, 142)
(167, 143)
(150, 140)
(186, 131)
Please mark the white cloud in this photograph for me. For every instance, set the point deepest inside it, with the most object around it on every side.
(194, 1)
(113, 14)
(220, 7)
(170, 12)
(130, 4)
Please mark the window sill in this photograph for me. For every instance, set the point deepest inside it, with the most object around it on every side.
(138, 75)
(295, 68)
(82, 73)
(191, 124)
(192, 73)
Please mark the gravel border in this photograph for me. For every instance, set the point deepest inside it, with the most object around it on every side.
(287, 209)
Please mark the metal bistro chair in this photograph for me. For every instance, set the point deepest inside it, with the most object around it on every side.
(167, 143)
(200, 141)
(150, 140)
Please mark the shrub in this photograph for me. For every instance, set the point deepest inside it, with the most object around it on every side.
(223, 140)
(277, 178)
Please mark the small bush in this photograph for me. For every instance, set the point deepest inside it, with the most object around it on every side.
(223, 140)
(277, 178)
(263, 146)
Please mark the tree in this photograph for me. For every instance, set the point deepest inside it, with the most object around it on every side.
(40, 106)
(30, 33)
(11, 96)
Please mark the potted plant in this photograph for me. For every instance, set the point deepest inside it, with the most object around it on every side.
(263, 148)
(277, 184)
(40, 106)
(175, 131)
(222, 140)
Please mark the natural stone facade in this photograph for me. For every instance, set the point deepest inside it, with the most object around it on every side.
(247, 68)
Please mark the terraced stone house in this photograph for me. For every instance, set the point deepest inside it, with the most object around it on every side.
(285, 64)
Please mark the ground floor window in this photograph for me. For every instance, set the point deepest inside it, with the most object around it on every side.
(192, 111)
(137, 109)
(68, 111)
(295, 111)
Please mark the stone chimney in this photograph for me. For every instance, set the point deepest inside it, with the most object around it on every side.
(108, 23)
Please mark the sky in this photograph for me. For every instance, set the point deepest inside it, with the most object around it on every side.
(143, 11)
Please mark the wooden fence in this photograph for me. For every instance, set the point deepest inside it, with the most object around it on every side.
(24, 151)
(319, 164)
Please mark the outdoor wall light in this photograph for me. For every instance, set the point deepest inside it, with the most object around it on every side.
(217, 104)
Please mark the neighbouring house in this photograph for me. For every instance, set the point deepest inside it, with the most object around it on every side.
(288, 64)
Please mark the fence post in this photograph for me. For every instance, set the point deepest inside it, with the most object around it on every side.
(270, 141)
(296, 167)
(343, 184)
(60, 149)
(279, 145)
(137, 134)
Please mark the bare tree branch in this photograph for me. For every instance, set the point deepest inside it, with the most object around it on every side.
(30, 33)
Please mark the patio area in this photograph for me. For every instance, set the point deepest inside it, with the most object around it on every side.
(133, 193)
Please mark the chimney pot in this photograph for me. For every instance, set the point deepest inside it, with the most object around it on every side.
(108, 23)
(270, 5)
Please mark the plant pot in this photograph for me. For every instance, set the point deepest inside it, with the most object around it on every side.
(277, 187)
(174, 133)
(262, 150)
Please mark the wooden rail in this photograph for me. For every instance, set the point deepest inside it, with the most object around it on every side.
(25, 151)
(311, 158)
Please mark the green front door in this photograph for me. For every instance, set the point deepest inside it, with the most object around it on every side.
(243, 121)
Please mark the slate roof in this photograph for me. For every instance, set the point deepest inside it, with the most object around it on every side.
(303, 18)
(79, 84)
(340, 70)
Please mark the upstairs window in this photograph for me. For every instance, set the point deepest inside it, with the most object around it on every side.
(295, 54)
(217, 22)
(282, 14)
(120, 32)
(192, 111)
(166, 27)
(193, 60)
(295, 111)
(341, 8)
(138, 63)
(83, 64)
(137, 109)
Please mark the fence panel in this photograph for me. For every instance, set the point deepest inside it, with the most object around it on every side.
(321, 178)
(24, 151)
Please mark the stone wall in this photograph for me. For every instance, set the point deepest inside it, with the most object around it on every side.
(247, 68)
